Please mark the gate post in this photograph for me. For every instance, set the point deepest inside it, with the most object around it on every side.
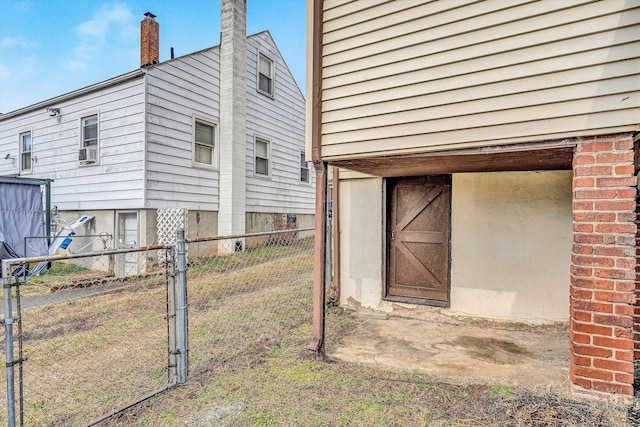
(182, 306)
(8, 337)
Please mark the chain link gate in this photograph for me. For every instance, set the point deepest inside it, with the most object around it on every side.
(83, 345)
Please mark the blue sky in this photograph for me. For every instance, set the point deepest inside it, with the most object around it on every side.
(50, 47)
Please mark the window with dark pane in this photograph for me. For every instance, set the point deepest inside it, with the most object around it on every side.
(204, 143)
(90, 131)
(265, 75)
(25, 151)
(261, 156)
(304, 168)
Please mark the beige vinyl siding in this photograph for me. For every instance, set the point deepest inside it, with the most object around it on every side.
(417, 76)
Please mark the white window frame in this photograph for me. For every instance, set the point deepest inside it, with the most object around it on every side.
(21, 153)
(272, 77)
(304, 165)
(83, 139)
(261, 139)
(214, 148)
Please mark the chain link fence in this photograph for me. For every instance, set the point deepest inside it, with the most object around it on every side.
(88, 336)
(97, 333)
(246, 292)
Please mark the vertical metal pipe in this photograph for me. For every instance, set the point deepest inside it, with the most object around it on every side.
(8, 337)
(335, 227)
(21, 359)
(48, 210)
(172, 315)
(328, 238)
(182, 307)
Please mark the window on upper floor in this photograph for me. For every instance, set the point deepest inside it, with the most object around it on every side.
(265, 75)
(89, 143)
(25, 152)
(204, 143)
(90, 131)
(304, 169)
(261, 154)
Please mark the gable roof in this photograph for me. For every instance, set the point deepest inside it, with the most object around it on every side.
(131, 75)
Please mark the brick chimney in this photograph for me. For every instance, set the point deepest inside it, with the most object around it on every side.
(149, 41)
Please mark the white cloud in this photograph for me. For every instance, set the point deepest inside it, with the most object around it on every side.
(16, 41)
(107, 17)
(108, 25)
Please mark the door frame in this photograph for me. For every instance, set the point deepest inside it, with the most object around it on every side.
(121, 258)
(386, 237)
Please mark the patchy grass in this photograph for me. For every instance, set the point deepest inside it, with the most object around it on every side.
(248, 364)
(283, 385)
(221, 263)
(89, 356)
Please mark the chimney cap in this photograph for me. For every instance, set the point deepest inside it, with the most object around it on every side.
(150, 15)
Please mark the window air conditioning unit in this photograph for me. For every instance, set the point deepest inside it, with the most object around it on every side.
(88, 155)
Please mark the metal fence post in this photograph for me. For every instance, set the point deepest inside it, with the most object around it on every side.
(172, 310)
(182, 307)
(8, 337)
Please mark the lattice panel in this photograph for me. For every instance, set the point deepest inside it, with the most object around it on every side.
(169, 221)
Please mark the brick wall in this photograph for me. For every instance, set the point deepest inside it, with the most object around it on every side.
(636, 323)
(149, 40)
(603, 270)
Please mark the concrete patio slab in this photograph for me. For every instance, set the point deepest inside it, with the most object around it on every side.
(460, 350)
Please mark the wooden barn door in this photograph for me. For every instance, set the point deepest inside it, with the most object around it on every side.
(419, 215)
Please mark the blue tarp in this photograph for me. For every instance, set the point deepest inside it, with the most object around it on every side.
(21, 216)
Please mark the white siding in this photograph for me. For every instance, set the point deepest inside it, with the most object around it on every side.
(116, 181)
(417, 76)
(176, 91)
(281, 120)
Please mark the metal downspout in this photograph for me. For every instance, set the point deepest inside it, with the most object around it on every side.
(317, 342)
(335, 224)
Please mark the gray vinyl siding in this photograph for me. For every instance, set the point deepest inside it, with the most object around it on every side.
(415, 76)
(176, 91)
(116, 181)
(281, 120)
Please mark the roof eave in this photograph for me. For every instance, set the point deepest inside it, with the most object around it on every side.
(79, 92)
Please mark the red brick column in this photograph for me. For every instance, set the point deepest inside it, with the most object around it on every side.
(603, 266)
(636, 323)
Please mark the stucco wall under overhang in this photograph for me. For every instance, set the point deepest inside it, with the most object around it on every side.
(511, 244)
(510, 250)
